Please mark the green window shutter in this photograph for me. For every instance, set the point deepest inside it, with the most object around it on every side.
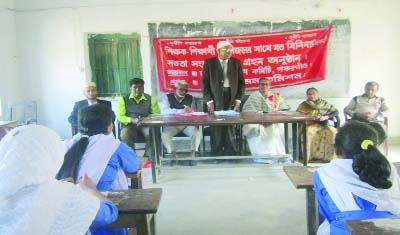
(114, 60)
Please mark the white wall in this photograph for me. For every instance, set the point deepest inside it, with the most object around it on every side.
(10, 88)
(50, 39)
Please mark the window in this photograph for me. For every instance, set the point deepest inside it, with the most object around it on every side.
(114, 60)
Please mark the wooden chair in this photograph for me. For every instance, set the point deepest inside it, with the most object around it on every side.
(386, 127)
(139, 139)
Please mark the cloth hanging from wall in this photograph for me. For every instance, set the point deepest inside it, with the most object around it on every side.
(286, 58)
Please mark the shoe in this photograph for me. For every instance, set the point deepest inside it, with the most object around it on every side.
(192, 163)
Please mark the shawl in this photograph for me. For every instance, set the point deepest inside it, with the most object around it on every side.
(318, 108)
(258, 103)
(32, 201)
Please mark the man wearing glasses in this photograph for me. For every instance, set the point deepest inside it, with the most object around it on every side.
(174, 103)
(223, 87)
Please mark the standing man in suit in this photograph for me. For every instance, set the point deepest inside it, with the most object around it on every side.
(223, 88)
(90, 92)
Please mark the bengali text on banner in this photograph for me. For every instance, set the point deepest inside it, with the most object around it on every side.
(286, 58)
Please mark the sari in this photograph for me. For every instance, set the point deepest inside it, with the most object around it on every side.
(320, 134)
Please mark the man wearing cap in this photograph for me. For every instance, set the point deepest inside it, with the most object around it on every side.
(223, 88)
(90, 92)
(132, 109)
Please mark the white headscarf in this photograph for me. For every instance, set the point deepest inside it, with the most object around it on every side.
(32, 201)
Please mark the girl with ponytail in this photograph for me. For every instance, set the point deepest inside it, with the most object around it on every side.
(95, 152)
(360, 184)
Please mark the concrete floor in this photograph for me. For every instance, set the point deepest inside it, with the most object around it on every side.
(231, 198)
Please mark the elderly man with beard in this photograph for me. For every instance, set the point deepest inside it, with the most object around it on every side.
(180, 102)
(90, 92)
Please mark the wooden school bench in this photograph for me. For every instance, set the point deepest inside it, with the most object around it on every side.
(301, 177)
(137, 209)
(374, 226)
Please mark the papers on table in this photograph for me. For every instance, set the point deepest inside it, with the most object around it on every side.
(191, 114)
(226, 113)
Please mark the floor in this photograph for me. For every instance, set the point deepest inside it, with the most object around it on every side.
(231, 198)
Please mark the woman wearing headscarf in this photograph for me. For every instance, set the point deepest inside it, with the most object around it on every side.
(320, 132)
(360, 183)
(95, 152)
(32, 201)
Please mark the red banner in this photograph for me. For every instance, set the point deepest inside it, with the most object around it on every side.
(286, 58)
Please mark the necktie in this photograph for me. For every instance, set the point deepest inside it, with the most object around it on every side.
(224, 66)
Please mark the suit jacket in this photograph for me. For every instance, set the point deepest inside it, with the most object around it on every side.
(73, 118)
(213, 81)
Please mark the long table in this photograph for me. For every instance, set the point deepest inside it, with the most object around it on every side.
(295, 118)
(301, 177)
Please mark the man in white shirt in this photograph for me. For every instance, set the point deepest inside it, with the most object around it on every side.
(175, 103)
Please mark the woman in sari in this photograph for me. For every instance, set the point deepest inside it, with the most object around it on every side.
(321, 132)
(265, 139)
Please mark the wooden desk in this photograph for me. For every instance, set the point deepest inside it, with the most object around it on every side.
(301, 177)
(136, 209)
(156, 121)
(6, 126)
(374, 227)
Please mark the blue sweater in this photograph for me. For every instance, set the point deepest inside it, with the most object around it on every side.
(125, 158)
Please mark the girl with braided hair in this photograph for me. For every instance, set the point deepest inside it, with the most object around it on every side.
(95, 152)
(360, 184)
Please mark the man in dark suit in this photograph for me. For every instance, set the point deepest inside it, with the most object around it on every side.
(90, 92)
(223, 88)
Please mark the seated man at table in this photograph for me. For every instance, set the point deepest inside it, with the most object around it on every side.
(367, 107)
(265, 139)
(134, 107)
(90, 92)
(180, 102)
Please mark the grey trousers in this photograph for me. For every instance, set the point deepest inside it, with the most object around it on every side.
(129, 133)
